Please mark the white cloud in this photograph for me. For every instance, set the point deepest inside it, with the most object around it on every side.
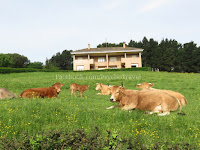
(154, 4)
(114, 4)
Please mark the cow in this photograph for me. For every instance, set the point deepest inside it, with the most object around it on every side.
(76, 87)
(105, 89)
(179, 96)
(5, 94)
(150, 101)
(48, 92)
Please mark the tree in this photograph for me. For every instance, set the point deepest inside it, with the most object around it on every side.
(62, 60)
(19, 61)
(5, 60)
(189, 57)
(37, 65)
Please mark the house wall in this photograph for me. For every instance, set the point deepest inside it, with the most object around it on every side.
(93, 63)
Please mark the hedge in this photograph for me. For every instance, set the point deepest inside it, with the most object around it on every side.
(6, 70)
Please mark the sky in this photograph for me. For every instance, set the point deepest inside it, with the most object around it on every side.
(38, 29)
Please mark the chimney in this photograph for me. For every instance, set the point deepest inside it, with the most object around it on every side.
(88, 46)
(124, 45)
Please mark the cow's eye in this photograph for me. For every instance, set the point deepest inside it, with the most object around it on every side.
(117, 91)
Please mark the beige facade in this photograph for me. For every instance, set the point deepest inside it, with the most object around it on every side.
(106, 58)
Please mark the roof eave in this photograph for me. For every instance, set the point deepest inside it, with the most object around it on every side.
(97, 52)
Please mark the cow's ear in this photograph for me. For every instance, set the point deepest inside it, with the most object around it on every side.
(88, 85)
(122, 89)
(151, 84)
(139, 86)
(62, 84)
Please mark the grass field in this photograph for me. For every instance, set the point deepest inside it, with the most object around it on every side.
(66, 114)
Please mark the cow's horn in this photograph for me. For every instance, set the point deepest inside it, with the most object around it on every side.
(122, 84)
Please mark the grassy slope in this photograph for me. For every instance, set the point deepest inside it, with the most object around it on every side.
(67, 114)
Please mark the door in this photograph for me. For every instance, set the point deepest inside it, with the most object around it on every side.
(79, 68)
(134, 65)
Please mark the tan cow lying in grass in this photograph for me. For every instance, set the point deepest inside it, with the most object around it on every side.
(49, 92)
(4, 94)
(76, 87)
(179, 96)
(151, 101)
(105, 89)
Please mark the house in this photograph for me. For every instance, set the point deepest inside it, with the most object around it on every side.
(106, 58)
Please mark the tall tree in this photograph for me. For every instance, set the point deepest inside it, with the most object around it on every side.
(62, 60)
(19, 61)
(5, 60)
(189, 57)
(37, 65)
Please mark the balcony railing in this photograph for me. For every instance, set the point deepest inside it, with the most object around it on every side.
(84, 61)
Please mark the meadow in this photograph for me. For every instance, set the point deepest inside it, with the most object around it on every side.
(66, 114)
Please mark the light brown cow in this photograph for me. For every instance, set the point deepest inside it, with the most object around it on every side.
(179, 96)
(151, 101)
(4, 94)
(105, 89)
(76, 87)
(49, 92)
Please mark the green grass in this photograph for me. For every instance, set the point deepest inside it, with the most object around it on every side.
(66, 114)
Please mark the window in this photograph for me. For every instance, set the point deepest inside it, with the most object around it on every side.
(79, 58)
(113, 59)
(113, 67)
(101, 68)
(134, 56)
(79, 68)
(101, 59)
(134, 65)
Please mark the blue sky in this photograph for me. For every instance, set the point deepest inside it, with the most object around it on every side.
(39, 29)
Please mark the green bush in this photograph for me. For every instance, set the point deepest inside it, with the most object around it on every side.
(4, 70)
(7, 70)
(122, 69)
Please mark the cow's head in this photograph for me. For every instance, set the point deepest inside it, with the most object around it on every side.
(145, 86)
(116, 93)
(98, 87)
(57, 86)
(87, 86)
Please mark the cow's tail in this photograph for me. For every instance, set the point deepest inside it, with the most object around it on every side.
(180, 108)
(20, 95)
(185, 100)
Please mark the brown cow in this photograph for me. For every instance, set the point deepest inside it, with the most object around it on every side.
(4, 94)
(151, 101)
(105, 89)
(76, 87)
(49, 92)
(179, 96)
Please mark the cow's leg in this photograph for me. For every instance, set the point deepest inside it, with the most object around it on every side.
(164, 113)
(71, 90)
(157, 109)
(75, 93)
(126, 107)
(151, 112)
(111, 107)
(81, 94)
(129, 107)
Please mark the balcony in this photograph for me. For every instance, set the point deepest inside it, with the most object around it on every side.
(84, 61)
(131, 60)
